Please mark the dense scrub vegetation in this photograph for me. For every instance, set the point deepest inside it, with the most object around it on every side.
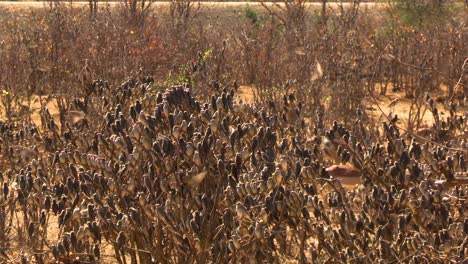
(126, 137)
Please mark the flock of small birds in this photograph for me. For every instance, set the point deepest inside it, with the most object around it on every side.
(169, 178)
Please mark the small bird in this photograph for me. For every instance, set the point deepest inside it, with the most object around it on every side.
(242, 211)
(74, 117)
(195, 180)
(347, 174)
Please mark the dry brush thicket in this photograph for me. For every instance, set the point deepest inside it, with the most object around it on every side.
(150, 170)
